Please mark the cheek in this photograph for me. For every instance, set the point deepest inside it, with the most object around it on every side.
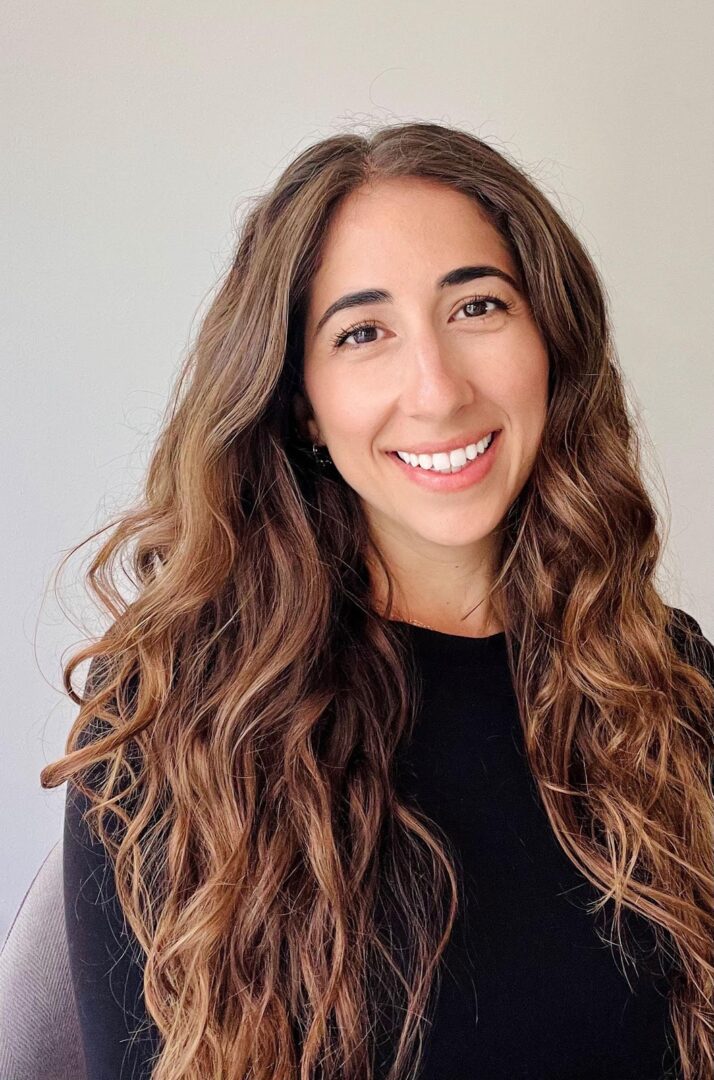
(520, 385)
(346, 413)
(347, 419)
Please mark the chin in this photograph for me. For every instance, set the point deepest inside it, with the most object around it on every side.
(452, 537)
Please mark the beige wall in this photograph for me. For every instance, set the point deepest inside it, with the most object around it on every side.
(132, 134)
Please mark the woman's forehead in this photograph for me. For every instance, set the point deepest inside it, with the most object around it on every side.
(404, 237)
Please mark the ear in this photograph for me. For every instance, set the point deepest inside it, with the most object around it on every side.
(304, 421)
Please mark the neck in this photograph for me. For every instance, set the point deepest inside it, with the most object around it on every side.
(449, 594)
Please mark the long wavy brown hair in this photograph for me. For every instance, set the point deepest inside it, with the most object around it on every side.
(238, 726)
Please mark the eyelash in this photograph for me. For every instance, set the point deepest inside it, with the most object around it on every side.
(342, 335)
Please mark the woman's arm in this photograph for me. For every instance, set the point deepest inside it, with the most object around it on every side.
(106, 962)
(107, 974)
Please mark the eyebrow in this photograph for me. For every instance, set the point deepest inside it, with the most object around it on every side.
(460, 276)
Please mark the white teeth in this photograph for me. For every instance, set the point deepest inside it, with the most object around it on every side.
(443, 462)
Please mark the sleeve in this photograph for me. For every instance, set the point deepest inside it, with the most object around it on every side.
(118, 1038)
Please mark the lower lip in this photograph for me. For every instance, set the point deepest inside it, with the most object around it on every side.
(471, 473)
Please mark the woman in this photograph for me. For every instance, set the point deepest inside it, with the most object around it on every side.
(397, 763)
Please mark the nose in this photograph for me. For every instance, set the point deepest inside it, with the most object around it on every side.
(437, 379)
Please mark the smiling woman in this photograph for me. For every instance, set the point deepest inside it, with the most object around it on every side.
(436, 369)
(341, 842)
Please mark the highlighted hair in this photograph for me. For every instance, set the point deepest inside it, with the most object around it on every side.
(239, 723)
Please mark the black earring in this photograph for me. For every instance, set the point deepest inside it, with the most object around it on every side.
(323, 462)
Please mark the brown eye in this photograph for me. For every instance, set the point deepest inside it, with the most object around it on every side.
(342, 335)
(479, 301)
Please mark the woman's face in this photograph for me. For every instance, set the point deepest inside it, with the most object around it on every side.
(436, 368)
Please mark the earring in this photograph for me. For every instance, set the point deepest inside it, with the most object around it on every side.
(323, 462)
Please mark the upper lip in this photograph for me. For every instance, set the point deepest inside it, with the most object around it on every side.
(445, 447)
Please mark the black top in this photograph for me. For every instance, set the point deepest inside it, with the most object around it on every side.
(529, 990)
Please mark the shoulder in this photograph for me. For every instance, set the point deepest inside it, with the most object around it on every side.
(690, 642)
(102, 669)
(96, 774)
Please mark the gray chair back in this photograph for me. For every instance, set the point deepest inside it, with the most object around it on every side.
(39, 1030)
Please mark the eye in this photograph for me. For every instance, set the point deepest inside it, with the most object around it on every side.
(476, 301)
(342, 335)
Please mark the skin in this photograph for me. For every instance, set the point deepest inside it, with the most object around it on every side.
(431, 370)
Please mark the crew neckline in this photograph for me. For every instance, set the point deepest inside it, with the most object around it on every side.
(451, 644)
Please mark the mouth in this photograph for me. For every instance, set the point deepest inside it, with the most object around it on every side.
(464, 476)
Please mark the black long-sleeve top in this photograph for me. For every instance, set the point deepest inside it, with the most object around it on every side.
(529, 989)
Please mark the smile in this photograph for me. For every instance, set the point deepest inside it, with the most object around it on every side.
(446, 461)
(457, 476)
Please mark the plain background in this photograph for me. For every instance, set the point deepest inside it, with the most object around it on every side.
(134, 134)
